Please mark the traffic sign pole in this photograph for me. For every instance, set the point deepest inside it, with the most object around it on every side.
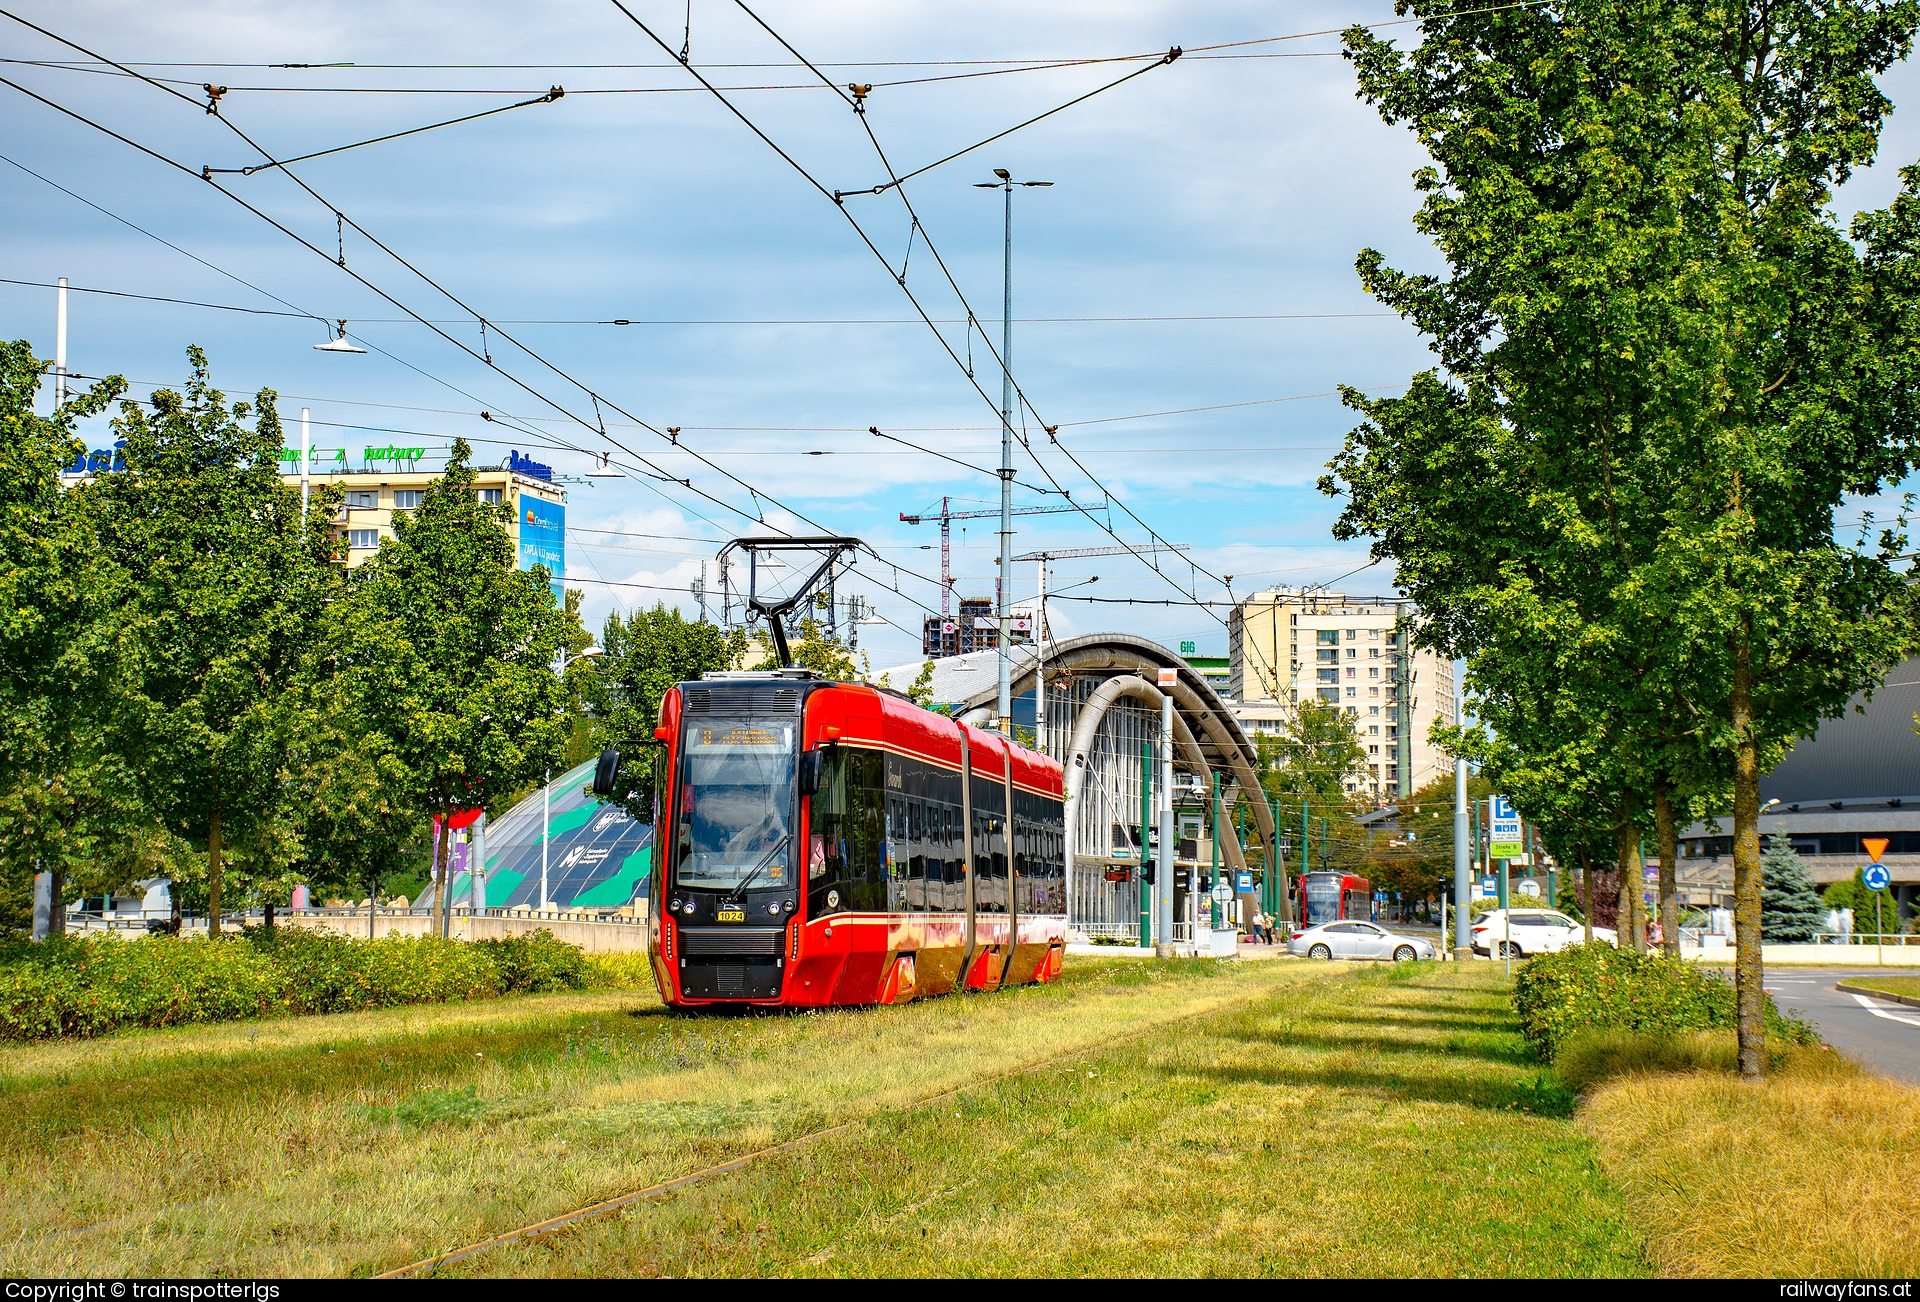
(1877, 879)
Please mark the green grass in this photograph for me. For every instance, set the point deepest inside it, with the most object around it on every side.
(1279, 1118)
(1893, 985)
(1390, 1123)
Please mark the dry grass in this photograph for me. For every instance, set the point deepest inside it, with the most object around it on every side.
(344, 1145)
(1810, 1174)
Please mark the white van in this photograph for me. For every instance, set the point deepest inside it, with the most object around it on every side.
(1516, 933)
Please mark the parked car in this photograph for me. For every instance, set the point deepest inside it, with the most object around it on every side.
(1357, 940)
(1516, 933)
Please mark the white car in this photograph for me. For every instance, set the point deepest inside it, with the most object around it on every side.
(1516, 933)
(1357, 940)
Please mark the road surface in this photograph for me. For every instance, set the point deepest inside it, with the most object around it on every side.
(1878, 1032)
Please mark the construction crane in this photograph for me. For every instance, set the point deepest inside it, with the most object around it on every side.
(946, 519)
(1068, 553)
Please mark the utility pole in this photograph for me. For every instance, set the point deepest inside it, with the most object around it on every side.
(1004, 597)
(700, 591)
(1462, 869)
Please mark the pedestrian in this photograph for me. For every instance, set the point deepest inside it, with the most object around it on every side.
(1259, 927)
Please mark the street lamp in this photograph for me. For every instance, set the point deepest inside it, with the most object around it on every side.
(546, 791)
(1006, 183)
(339, 344)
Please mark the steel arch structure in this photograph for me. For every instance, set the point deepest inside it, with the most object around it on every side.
(1101, 702)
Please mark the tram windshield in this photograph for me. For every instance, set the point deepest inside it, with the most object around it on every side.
(1320, 898)
(735, 805)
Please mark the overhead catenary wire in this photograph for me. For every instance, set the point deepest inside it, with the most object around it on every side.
(932, 249)
(550, 97)
(758, 517)
(725, 321)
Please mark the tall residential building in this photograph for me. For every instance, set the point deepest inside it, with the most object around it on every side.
(1285, 647)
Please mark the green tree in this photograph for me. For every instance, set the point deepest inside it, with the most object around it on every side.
(643, 655)
(1854, 893)
(65, 800)
(1791, 911)
(1421, 864)
(361, 828)
(1307, 769)
(1666, 364)
(226, 591)
(450, 651)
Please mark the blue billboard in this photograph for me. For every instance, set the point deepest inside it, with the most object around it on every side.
(543, 540)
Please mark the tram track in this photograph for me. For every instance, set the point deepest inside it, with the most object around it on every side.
(662, 1189)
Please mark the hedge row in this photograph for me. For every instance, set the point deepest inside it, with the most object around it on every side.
(1601, 986)
(77, 986)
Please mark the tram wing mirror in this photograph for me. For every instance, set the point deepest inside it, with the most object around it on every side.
(603, 772)
(809, 776)
(607, 768)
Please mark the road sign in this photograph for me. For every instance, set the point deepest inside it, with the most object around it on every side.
(1223, 892)
(1244, 881)
(1504, 840)
(1878, 878)
(1876, 846)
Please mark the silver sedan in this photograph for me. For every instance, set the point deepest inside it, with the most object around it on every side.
(1358, 940)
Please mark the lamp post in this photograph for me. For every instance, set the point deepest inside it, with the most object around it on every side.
(546, 790)
(1006, 183)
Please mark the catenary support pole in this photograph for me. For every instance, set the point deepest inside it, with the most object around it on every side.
(1146, 821)
(1462, 864)
(60, 344)
(1218, 832)
(546, 834)
(1165, 947)
(1040, 663)
(306, 456)
(1005, 593)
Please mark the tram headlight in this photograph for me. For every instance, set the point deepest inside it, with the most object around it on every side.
(687, 908)
(773, 906)
(673, 905)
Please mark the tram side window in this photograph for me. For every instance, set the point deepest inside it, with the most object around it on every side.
(952, 895)
(847, 840)
(916, 893)
(898, 854)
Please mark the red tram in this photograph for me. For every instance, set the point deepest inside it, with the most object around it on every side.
(830, 843)
(1334, 896)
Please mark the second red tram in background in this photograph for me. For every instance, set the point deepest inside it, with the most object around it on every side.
(1333, 897)
(831, 843)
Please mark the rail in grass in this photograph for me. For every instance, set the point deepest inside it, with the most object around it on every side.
(831, 843)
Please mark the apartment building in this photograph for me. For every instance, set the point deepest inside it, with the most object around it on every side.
(1284, 647)
(388, 483)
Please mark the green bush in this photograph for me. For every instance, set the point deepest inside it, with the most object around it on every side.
(537, 962)
(632, 970)
(89, 985)
(1600, 986)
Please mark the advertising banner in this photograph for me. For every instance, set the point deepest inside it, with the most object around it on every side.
(543, 534)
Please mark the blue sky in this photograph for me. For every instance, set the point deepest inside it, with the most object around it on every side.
(1223, 186)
